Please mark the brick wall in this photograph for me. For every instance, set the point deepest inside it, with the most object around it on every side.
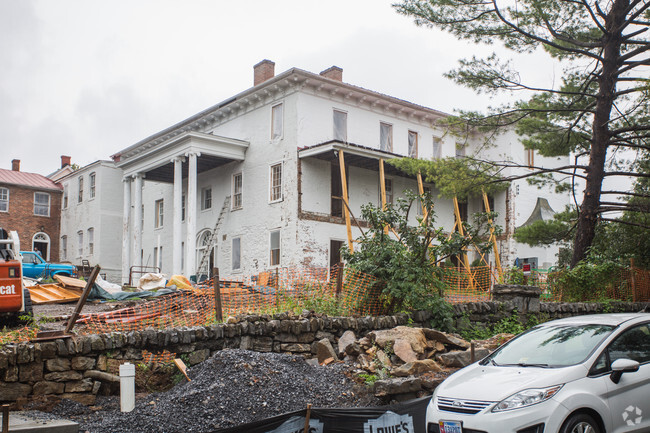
(22, 219)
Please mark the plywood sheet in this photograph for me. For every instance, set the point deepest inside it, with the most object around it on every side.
(70, 282)
(53, 294)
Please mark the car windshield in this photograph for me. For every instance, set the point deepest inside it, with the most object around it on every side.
(551, 346)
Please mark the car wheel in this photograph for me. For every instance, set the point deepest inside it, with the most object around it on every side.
(580, 423)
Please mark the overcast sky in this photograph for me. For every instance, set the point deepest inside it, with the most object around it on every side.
(88, 78)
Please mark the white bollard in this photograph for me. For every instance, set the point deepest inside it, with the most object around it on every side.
(127, 387)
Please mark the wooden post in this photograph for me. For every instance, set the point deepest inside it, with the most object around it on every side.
(344, 187)
(5, 418)
(339, 279)
(465, 260)
(218, 310)
(421, 192)
(497, 259)
(307, 417)
(82, 300)
(382, 188)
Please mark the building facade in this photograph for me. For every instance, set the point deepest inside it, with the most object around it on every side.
(30, 204)
(255, 180)
(91, 218)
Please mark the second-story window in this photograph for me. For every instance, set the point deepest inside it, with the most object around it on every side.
(237, 184)
(42, 204)
(206, 198)
(92, 185)
(413, 144)
(277, 123)
(276, 183)
(81, 190)
(65, 196)
(437, 147)
(386, 136)
(4, 199)
(159, 210)
(340, 125)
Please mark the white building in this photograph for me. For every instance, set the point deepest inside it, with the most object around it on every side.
(269, 157)
(91, 218)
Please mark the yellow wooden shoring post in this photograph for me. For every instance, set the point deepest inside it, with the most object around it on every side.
(382, 188)
(344, 187)
(462, 233)
(497, 259)
(421, 192)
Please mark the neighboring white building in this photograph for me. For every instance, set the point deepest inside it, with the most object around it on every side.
(91, 218)
(270, 157)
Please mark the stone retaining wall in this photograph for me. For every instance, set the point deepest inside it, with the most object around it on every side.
(76, 368)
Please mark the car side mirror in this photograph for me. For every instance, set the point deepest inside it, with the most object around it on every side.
(621, 366)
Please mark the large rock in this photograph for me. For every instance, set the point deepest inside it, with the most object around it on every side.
(46, 387)
(324, 350)
(13, 391)
(416, 367)
(397, 386)
(404, 351)
(447, 339)
(459, 359)
(348, 338)
(414, 336)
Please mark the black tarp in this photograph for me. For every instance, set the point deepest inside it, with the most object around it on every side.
(407, 417)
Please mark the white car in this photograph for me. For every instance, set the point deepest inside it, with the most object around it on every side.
(584, 374)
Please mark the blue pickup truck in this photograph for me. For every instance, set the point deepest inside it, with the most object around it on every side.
(35, 267)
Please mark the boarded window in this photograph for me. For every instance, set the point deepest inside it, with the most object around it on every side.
(413, 144)
(236, 254)
(275, 248)
(340, 125)
(276, 183)
(386, 137)
(276, 122)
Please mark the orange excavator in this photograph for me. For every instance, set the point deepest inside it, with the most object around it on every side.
(15, 302)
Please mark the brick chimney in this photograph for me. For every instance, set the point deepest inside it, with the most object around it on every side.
(263, 71)
(15, 164)
(65, 161)
(333, 73)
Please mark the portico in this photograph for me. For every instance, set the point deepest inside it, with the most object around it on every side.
(176, 160)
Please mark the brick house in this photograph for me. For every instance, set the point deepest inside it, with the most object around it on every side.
(31, 204)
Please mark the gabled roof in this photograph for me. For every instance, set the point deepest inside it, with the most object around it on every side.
(29, 180)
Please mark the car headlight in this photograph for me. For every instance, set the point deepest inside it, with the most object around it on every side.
(527, 397)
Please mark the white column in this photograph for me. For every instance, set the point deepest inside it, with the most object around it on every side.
(126, 232)
(177, 242)
(137, 220)
(190, 216)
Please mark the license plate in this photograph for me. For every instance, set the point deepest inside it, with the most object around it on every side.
(450, 427)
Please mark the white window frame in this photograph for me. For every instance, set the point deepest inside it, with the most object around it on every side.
(4, 199)
(80, 196)
(237, 197)
(436, 147)
(204, 198)
(271, 185)
(344, 138)
(390, 136)
(409, 152)
(232, 255)
(41, 205)
(91, 241)
(279, 249)
(159, 213)
(80, 242)
(92, 181)
(275, 135)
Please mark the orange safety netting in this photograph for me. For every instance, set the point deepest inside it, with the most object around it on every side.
(157, 357)
(468, 285)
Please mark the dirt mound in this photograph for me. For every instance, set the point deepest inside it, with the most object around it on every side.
(231, 388)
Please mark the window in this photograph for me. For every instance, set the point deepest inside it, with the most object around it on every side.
(160, 213)
(236, 254)
(80, 243)
(41, 204)
(530, 158)
(206, 198)
(81, 190)
(237, 191)
(336, 188)
(386, 137)
(41, 244)
(92, 185)
(275, 248)
(4, 199)
(276, 122)
(437, 147)
(65, 197)
(633, 344)
(388, 185)
(335, 252)
(183, 207)
(460, 150)
(340, 125)
(413, 144)
(276, 182)
(91, 241)
(64, 248)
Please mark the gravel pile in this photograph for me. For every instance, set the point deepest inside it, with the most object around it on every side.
(231, 388)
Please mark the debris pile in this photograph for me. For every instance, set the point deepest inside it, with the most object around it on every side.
(231, 388)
